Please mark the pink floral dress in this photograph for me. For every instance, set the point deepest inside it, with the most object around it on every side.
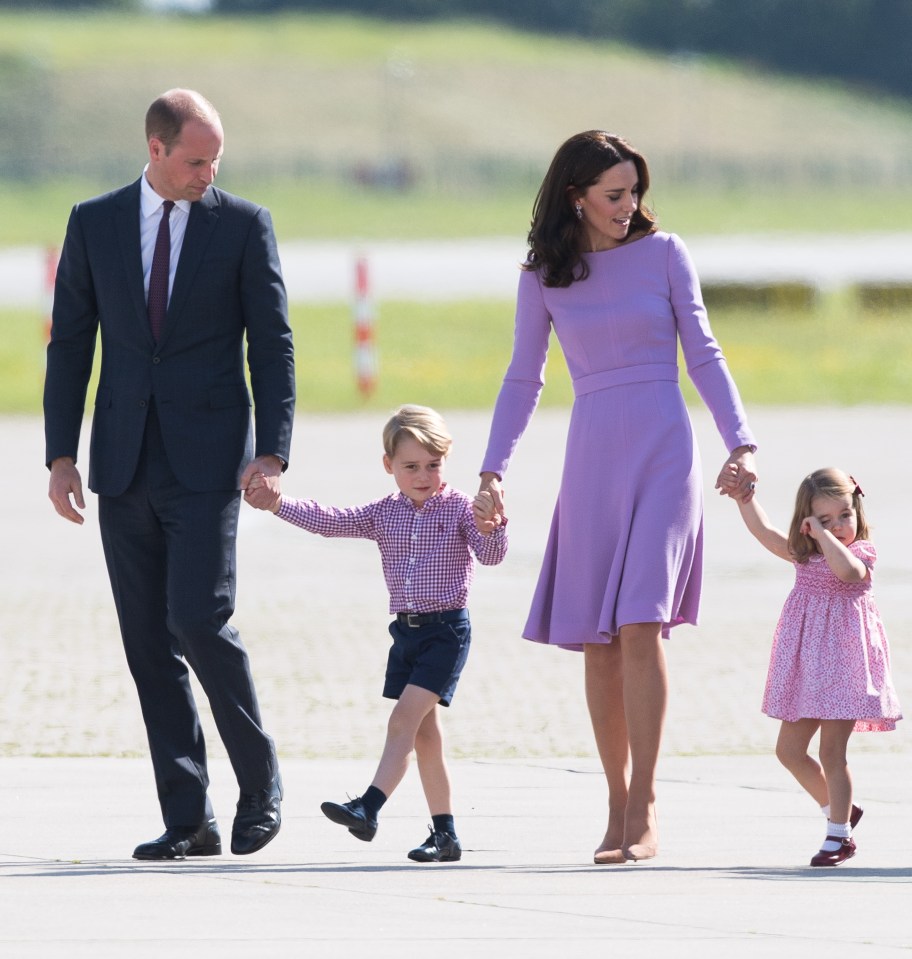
(830, 657)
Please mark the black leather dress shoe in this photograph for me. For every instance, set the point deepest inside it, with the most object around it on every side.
(438, 847)
(180, 842)
(354, 816)
(258, 819)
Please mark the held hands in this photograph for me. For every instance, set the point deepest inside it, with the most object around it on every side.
(489, 504)
(261, 490)
(490, 483)
(487, 518)
(738, 478)
(727, 482)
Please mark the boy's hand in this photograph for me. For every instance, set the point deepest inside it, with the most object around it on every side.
(487, 519)
(263, 492)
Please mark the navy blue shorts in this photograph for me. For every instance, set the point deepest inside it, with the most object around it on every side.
(429, 653)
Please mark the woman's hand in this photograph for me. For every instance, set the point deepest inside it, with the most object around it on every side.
(738, 477)
(491, 483)
(486, 518)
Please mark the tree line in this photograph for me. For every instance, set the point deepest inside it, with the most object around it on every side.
(861, 42)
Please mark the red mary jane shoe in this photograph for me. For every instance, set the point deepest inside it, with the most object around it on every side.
(845, 851)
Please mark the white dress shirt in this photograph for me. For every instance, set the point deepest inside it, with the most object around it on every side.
(150, 213)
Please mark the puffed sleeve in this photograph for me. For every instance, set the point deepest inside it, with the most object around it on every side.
(865, 551)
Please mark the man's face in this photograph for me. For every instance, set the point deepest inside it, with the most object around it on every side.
(186, 172)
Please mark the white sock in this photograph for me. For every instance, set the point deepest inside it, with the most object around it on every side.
(836, 831)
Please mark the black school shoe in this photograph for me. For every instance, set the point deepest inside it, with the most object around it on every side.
(353, 816)
(438, 847)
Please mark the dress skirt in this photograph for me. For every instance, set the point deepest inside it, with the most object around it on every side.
(626, 538)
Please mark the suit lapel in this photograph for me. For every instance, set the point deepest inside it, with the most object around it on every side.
(200, 224)
(126, 226)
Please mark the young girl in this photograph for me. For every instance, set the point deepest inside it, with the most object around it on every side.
(830, 663)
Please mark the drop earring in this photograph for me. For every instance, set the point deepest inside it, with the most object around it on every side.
(579, 211)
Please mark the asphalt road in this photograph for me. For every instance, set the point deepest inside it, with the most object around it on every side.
(736, 832)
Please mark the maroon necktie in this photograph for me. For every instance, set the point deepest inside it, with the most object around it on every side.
(161, 268)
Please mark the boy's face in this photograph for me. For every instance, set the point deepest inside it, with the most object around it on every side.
(418, 473)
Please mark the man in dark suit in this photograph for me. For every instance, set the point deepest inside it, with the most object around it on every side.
(173, 446)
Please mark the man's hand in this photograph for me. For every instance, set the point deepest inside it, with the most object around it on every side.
(261, 483)
(260, 495)
(66, 481)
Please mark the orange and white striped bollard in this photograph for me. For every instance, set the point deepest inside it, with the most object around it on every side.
(366, 365)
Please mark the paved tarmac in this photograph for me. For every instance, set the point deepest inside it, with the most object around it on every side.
(76, 791)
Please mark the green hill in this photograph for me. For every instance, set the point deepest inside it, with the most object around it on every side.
(363, 127)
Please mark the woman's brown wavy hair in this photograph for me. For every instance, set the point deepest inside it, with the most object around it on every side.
(556, 234)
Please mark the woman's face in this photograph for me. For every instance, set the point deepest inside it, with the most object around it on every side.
(608, 205)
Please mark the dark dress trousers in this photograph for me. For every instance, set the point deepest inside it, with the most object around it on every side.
(171, 434)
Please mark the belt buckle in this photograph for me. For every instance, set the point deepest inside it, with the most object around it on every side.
(413, 620)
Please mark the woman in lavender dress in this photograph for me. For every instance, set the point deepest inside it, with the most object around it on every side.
(623, 561)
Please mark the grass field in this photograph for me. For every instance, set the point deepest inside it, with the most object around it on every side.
(453, 356)
(310, 209)
(474, 111)
(315, 210)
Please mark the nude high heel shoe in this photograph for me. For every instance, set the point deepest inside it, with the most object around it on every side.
(647, 847)
(609, 855)
(610, 851)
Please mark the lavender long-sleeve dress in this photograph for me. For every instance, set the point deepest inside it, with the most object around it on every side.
(626, 538)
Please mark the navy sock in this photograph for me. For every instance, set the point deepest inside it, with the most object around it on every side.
(373, 800)
(444, 823)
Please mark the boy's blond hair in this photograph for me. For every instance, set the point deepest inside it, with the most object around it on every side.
(424, 425)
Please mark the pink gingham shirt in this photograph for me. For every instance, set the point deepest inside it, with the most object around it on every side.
(426, 553)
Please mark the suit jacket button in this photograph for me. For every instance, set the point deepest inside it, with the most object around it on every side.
(156, 359)
(142, 403)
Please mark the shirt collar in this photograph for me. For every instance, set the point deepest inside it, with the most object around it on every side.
(150, 202)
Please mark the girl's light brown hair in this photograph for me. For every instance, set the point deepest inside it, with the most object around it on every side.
(823, 482)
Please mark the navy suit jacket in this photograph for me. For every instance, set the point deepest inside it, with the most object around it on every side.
(228, 286)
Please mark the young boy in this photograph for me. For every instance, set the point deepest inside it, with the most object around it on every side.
(427, 534)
